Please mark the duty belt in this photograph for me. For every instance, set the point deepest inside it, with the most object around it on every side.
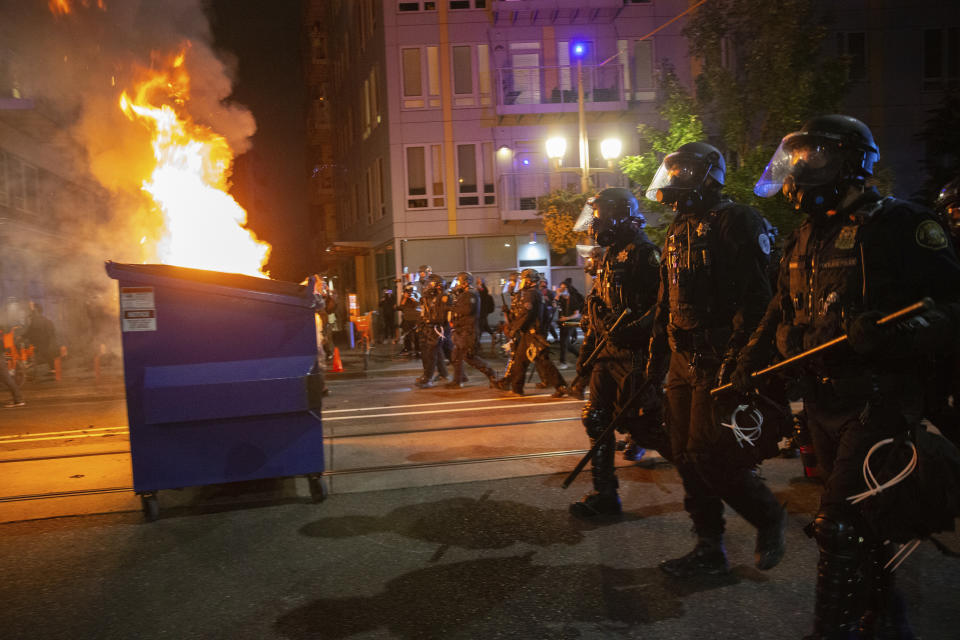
(867, 385)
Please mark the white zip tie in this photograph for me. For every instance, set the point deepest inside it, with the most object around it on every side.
(750, 435)
(875, 487)
(902, 554)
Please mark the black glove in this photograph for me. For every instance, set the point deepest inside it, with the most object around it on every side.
(742, 380)
(790, 339)
(725, 371)
(865, 335)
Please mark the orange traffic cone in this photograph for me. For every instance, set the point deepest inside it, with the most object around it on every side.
(337, 365)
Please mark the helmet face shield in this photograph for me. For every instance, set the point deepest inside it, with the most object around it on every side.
(584, 222)
(801, 160)
(678, 171)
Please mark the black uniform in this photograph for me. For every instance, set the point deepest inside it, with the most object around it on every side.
(627, 277)
(433, 324)
(410, 318)
(879, 256)
(713, 291)
(464, 308)
(528, 344)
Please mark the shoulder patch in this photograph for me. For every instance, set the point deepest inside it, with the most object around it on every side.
(847, 238)
(930, 235)
(764, 241)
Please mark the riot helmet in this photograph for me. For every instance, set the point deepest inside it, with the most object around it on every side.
(463, 281)
(690, 178)
(609, 214)
(435, 283)
(813, 167)
(528, 278)
(948, 206)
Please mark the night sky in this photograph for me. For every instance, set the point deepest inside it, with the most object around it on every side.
(270, 180)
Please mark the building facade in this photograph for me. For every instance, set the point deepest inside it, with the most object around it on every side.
(440, 114)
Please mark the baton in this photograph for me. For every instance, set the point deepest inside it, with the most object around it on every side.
(613, 423)
(913, 309)
(600, 345)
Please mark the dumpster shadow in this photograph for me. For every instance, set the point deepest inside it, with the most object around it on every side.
(231, 496)
(485, 597)
(468, 523)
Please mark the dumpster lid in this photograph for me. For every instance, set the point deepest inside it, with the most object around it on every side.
(170, 275)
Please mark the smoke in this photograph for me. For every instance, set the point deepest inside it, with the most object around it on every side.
(74, 67)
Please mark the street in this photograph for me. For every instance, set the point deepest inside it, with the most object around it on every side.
(445, 520)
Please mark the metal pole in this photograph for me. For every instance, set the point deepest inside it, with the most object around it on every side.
(584, 151)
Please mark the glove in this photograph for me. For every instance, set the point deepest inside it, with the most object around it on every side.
(742, 380)
(864, 335)
(790, 339)
(725, 372)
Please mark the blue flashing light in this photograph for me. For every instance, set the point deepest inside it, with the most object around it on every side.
(579, 49)
(526, 162)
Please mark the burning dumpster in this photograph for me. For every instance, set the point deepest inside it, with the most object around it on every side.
(220, 378)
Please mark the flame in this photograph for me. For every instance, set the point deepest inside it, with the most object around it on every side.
(62, 7)
(203, 224)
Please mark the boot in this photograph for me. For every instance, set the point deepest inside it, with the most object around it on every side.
(453, 385)
(771, 543)
(707, 558)
(839, 606)
(560, 391)
(633, 452)
(596, 504)
(886, 616)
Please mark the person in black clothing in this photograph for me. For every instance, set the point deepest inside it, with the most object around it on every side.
(464, 305)
(41, 334)
(433, 324)
(527, 342)
(856, 257)
(388, 314)
(713, 291)
(486, 308)
(627, 278)
(547, 326)
(569, 309)
(410, 319)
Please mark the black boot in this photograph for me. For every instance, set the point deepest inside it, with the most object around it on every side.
(771, 543)
(707, 558)
(886, 616)
(596, 504)
(603, 500)
(839, 604)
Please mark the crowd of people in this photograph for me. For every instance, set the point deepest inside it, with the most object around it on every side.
(38, 334)
(677, 340)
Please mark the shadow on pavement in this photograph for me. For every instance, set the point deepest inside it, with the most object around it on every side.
(512, 595)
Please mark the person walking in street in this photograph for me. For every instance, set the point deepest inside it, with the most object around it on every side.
(433, 323)
(486, 308)
(713, 292)
(857, 257)
(410, 319)
(388, 314)
(569, 310)
(41, 333)
(464, 305)
(626, 284)
(6, 379)
(528, 345)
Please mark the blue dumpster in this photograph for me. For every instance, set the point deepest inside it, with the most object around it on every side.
(220, 378)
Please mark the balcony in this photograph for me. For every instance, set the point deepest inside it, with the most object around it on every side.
(518, 192)
(524, 90)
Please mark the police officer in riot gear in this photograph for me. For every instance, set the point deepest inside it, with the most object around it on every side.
(464, 307)
(856, 257)
(433, 323)
(713, 291)
(528, 345)
(627, 278)
(409, 320)
(948, 208)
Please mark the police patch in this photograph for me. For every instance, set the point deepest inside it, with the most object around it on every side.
(930, 235)
(847, 238)
(622, 256)
(764, 241)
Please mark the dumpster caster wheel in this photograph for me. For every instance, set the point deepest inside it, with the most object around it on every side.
(150, 505)
(318, 488)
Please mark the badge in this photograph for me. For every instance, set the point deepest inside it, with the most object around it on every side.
(622, 256)
(847, 238)
(702, 229)
(764, 241)
(654, 258)
(930, 235)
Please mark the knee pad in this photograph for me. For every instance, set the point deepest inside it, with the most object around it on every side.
(837, 532)
(594, 419)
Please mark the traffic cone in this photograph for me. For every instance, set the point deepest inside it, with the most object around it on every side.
(337, 365)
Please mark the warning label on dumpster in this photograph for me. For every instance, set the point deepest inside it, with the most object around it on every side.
(137, 309)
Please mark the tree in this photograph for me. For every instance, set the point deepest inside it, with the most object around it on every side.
(560, 210)
(762, 74)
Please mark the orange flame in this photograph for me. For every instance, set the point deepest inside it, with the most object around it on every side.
(203, 224)
(62, 7)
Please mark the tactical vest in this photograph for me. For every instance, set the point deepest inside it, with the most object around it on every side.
(434, 311)
(689, 253)
(620, 281)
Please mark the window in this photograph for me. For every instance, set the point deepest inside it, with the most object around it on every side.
(425, 188)
(475, 171)
(462, 76)
(643, 81)
(941, 57)
(417, 5)
(412, 61)
(483, 72)
(467, 4)
(381, 189)
(371, 196)
(853, 46)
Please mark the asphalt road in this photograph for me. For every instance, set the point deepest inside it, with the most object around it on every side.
(483, 555)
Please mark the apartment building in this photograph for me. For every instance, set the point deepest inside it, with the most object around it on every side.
(440, 114)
